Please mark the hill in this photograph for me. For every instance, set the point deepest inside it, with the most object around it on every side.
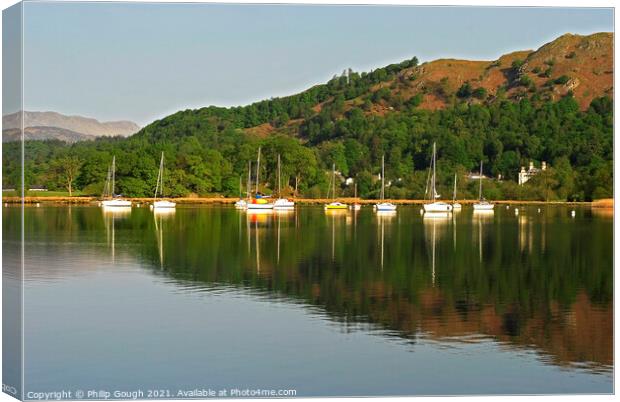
(550, 105)
(44, 133)
(78, 124)
(581, 64)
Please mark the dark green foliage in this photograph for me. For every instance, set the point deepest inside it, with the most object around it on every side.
(517, 64)
(561, 80)
(525, 80)
(207, 150)
(480, 93)
(464, 91)
(547, 73)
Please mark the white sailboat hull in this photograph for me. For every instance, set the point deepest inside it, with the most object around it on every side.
(437, 207)
(241, 204)
(116, 203)
(356, 207)
(283, 203)
(385, 206)
(164, 204)
(456, 206)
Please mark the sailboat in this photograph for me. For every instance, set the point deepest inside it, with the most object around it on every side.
(455, 205)
(356, 205)
(434, 205)
(259, 202)
(159, 188)
(240, 203)
(482, 204)
(282, 203)
(384, 206)
(108, 190)
(334, 204)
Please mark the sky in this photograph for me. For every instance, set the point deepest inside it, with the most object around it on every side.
(141, 62)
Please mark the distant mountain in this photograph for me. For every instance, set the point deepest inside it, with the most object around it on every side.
(49, 124)
(44, 133)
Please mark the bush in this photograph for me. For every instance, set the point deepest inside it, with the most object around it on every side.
(480, 93)
(561, 80)
(464, 91)
(517, 64)
(525, 80)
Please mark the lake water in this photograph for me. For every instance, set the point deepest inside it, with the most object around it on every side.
(340, 304)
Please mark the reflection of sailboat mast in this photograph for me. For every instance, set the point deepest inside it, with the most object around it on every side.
(159, 234)
(454, 231)
(433, 258)
(257, 247)
(333, 238)
(382, 241)
(480, 238)
(279, 218)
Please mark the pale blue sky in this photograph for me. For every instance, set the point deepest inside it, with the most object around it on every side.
(143, 61)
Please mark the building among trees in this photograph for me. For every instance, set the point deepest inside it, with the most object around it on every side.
(525, 175)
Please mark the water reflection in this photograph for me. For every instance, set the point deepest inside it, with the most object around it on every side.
(533, 281)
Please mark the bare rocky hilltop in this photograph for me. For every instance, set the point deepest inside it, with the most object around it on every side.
(57, 122)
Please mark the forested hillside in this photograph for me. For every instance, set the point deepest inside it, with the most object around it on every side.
(400, 110)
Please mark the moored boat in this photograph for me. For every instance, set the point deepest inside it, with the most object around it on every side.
(482, 204)
(259, 202)
(159, 188)
(384, 206)
(282, 203)
(455, 205)
(335, 204)
(434, 205)
(112, 201)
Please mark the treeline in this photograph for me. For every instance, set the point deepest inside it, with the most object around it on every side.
(208, 151)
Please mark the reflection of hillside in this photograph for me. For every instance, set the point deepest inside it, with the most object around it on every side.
(534, 286)
(580, 333)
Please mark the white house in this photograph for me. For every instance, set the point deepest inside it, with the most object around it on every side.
(525, 175)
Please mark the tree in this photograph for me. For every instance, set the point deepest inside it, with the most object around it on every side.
(68, 168)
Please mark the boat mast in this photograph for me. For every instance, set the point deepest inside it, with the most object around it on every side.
(160, 178)
(257, 169)
(433, 189)
(113, 175)
(382, 177)
(480, 177)
(248, 184)
(279, 182)
(106, 187)
(161, 167)
(454, 193)
(334, 180)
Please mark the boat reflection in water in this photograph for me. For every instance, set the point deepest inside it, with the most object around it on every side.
(384, 217)
(435, 224)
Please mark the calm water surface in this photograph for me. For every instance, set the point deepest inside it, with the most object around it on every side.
(326, 304)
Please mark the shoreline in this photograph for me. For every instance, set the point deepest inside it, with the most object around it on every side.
(605, 203)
